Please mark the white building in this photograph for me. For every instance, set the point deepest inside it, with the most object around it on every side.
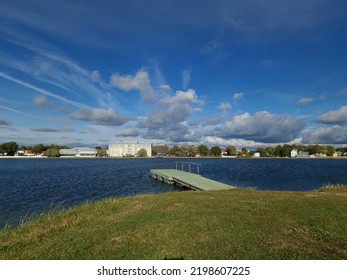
(294, 153)
(79, 152)
(128, 149)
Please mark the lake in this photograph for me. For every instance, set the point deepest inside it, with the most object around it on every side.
(29, 187)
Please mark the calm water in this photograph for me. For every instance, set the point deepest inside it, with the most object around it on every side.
(29, 187)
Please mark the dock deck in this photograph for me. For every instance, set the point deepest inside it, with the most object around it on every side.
(186, 179)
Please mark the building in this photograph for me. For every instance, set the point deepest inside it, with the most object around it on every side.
(293, 153)
(299, 154)
(128, 149)
(160, 149)
(79, 152)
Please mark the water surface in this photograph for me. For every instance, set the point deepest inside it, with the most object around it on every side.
(29, 187)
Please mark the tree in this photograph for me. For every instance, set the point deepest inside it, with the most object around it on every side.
(261, 151)
(52, 153)
(10, 148)
(330, 150)
(37, 149)
(176, 151)
(231, 151)
(142, 153)
(278, 151)
(102, 153)
(270, 151)
(286, 150)
(215, 151)
(203, 150)
(192, 151)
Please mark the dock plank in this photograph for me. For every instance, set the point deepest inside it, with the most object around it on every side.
(190, 180)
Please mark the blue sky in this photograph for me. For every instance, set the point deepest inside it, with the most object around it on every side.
(244, 73)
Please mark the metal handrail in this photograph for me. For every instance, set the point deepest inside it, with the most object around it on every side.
(189, 166)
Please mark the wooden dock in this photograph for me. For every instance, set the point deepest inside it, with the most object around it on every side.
(188, 179)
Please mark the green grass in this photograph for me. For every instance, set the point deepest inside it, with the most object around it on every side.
(232, 224)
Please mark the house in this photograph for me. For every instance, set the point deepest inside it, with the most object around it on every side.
(224, 152)
(294, 153)
(79, 152)
(299, 154)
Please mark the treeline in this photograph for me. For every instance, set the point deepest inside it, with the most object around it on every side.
(271, 151)
(11, 148)
(285, 150)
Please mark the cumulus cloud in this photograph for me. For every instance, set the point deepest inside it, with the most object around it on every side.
(214, 140)
(263, 126)
(173, 109)
(334, 117)
(168, 119)
(127, 132)
(98, 116)
(140, 81)
(327, 135)
(42, 102)
(304, 101)
(224, 106)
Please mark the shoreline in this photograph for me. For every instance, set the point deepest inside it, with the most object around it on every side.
(230, 158)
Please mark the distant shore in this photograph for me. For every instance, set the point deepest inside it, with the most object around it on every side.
(73, 157)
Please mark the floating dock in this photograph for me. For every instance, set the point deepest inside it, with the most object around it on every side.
(188, 179)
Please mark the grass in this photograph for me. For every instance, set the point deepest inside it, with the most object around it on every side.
(232, 224)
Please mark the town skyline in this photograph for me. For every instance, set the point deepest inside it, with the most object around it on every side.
(241, 73)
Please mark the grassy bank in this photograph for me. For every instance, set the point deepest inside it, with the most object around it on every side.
(233, 224)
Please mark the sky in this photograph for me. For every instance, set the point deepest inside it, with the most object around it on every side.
(246, 73)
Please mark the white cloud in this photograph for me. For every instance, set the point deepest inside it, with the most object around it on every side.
(42, 102)
(186, 74)
(238, 95)
(305, 100)
(99, 116)
(263, 127)
(37, 89)
(96, 77)
(167, 119)
(224, 106)
(164, 87)
(140, 81)
(334, 117)
(240, 143)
